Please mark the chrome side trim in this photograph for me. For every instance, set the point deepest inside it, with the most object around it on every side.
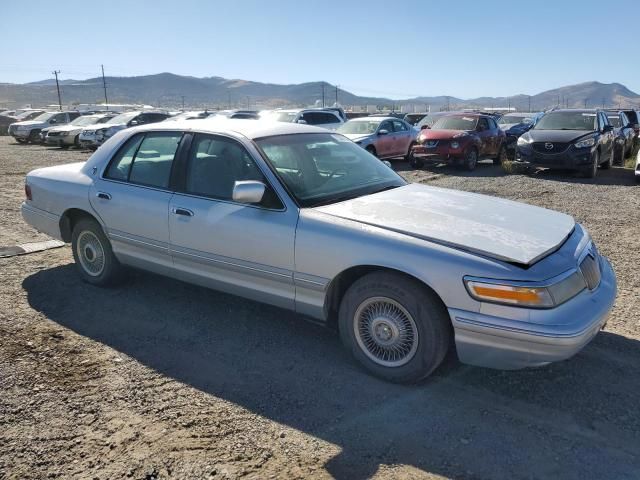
(127, 238)
(235, 264)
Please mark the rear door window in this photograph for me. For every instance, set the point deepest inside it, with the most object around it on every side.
(146, 159)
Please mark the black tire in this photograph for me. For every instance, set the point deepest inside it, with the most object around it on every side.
(607, 164)
(64, 147)
(592, 170)
(88, 236)
(618, 155)
(430, 328)
(372, 150)
(76, 142)
(471, 160)
(34, 136)
(416, 163)
(22, 141)
(409, 156)
(502, 156)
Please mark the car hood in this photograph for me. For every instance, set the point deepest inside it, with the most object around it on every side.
(356, 137)
(489, 226)
(31, 123)
(429, 134)
(63, 128)
(560, 136)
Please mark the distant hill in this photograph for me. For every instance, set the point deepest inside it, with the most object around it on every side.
(167, 90)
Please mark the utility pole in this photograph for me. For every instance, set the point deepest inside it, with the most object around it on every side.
(104, 86)
(529, 103)
(585, 102)
(558, 101)
(182, 96)
(603, 102)
(322, 94)
(336, 95)
(56, 72)
(248, 102)
(508, 104)
(229, 101)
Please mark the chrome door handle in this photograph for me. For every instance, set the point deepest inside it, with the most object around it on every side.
(103, 195)
(183, 211)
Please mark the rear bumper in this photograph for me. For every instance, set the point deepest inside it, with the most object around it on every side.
(42, 220)
(557, 333)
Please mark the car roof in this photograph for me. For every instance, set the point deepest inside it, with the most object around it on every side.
(251, 129)
(371, 117)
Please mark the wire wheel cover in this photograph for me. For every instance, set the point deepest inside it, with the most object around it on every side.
(90, 253)
(385, 331)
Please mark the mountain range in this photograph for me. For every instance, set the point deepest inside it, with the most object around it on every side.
(171, 90)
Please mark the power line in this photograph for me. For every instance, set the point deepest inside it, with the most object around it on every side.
(56, 72)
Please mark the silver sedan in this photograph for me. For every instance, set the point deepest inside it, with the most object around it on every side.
(304, 219)
(384, 137)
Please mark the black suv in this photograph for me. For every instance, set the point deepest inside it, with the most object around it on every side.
(578, 140)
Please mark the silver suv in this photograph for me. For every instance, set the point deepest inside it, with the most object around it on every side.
(29, 131)
(325, 118)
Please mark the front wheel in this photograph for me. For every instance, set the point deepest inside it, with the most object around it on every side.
(592, 170)
(92, 253)
(471, 160)
(502, 156)
(394, 326)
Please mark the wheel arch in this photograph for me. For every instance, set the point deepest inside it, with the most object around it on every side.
(70, 217)
(339, 285)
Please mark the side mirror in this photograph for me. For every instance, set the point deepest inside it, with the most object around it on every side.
(302, 122)
(248, 191)
(383, 132)
(424, 127)
(133, 123)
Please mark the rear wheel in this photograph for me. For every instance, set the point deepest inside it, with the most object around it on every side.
(93, 255)
(394, 326)
(502, 156)
(409, 156)
(618, 155)
(76, 141)
(471, 160)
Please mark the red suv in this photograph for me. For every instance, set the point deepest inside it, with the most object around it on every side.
(460, 139)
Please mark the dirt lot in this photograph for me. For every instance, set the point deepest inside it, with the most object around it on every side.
(159, 379)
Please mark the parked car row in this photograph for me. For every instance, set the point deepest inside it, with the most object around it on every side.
(581, 140)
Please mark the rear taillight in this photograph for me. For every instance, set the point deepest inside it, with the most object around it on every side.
(27, 191)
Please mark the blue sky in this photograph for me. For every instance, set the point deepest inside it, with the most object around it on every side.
(463, 48)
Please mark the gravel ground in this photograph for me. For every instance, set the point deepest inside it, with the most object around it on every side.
(160, 379)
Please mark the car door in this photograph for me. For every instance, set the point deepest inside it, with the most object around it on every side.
(384, 141)
(607, 139)
(244, 249)
(484, 133)
(132, 198)
(496, 136)
(403, 139)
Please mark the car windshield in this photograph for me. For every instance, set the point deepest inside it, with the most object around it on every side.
(28, 115)
(45, 116)
(322, 168)
(280, 116)
(361, 127)
(614, 120)
(122, 118)
(427, 120)
(567, 121)
(514, 119)
(84, 120)
(455, 123)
